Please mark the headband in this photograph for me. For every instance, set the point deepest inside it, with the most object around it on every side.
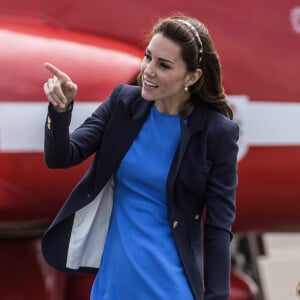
(195, 34)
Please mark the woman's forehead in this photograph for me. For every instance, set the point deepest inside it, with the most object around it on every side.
(163, 47)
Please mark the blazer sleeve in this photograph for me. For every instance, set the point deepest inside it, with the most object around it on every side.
(62, 149)
(220, 212)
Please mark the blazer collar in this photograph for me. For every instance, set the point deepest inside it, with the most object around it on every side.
(137, 111)
(196, 121)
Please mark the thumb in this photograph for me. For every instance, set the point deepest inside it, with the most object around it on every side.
(72, 87)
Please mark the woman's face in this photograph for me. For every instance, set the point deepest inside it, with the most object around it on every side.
(164, 73)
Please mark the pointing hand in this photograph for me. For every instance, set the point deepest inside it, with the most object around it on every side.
(60, 89)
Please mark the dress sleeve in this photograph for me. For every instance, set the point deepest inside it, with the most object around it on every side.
(62, 149)
(220, 214)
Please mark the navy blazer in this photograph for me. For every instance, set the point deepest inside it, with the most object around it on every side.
(202, 177)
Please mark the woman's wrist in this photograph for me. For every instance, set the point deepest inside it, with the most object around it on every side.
(62, 109)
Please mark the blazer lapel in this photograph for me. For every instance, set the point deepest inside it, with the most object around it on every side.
(122, 128)
(189, 127)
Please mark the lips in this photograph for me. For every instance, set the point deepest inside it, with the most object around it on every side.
(149, 84)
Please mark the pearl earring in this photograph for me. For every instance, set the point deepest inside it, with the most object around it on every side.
(186, 88)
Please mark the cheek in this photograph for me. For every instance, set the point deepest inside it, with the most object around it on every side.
(143, 65)
(173, 82)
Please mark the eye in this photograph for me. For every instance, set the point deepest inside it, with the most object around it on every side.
(147, 56)
(164, 66)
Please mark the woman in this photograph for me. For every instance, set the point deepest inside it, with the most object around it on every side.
(165, 152)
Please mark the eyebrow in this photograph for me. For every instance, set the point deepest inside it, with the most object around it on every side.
(160, 58)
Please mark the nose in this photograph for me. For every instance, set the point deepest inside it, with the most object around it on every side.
(149, 69)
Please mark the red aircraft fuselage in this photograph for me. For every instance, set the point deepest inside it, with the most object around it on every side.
(100, 46)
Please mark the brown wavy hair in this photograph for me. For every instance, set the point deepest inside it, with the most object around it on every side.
(209, 87)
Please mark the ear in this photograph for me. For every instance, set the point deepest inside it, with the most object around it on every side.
(192, 77)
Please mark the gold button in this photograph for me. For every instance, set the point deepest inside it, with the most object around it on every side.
(175, 223)
(49, 121)
(197, 217)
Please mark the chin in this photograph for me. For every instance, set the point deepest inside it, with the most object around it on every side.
(147, 96)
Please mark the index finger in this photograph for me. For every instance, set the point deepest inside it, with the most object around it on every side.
(57, 72)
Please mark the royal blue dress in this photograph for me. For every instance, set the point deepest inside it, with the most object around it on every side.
(140, 260)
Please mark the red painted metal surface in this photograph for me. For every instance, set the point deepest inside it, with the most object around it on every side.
(269, 190)
(97, 64)
(30, 192)
(243, 287)
(25, 275)
(255, 39)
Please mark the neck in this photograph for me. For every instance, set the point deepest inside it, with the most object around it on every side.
(184, 108)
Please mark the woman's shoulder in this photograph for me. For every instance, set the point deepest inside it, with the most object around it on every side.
(222, 134)
(219, 125)
(221, 120)
(212, 119)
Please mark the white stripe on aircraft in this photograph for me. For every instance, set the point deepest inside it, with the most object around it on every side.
(261, 123)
